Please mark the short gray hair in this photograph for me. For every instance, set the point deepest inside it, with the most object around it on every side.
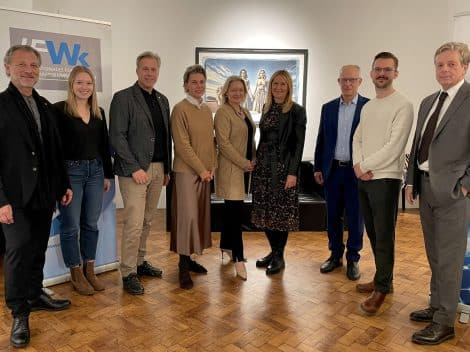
(461, 48)
(150, 55)
(28, 48)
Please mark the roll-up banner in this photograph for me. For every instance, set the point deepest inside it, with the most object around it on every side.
(63, 43)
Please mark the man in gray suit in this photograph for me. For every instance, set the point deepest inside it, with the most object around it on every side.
(139, 133)
(439, 171)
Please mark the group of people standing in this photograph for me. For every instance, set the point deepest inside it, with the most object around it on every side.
(360, 160)
(62, 153)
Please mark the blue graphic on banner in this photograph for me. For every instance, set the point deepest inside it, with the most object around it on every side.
(106, 252)
(465, 290)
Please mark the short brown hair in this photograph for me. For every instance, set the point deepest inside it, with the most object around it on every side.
(386, 55)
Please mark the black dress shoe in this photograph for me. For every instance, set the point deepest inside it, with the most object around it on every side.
(330, 264)
(186, 283)
(264, 262)
(46, 302)
(131, 284)
(425, 315)
(352, 271)
(277, 263)
(433, 334)
(20, 335)
(147, 269)
(195, 267)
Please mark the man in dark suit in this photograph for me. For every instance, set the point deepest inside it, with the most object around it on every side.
(333, 169)
(439, 171)
(32, 178)
(139, 133)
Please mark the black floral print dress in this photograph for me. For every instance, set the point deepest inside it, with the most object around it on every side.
(274, 208)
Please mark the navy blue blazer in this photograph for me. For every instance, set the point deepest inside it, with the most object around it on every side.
(328, 134)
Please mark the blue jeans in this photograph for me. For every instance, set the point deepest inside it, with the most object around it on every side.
(82, 214)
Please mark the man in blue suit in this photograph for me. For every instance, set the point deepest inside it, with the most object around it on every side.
(333, 169)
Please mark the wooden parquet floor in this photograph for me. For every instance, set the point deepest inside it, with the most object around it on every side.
(299, 310)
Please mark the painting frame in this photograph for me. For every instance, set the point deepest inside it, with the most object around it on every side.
(259, 65)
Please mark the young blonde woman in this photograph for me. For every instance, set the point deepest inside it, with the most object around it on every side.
(84, 134)
(235, 131)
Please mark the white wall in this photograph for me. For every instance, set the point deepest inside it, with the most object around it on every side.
(335, 32)
(17, 4)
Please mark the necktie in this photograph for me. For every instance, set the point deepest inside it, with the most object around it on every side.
(423, 152)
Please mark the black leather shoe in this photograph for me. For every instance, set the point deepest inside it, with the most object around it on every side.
(352, 271)
(20, 335)
(46, 302)
(186, 283)
(433, 334)
(197, 268)
(131, 284)
(425, 315)
(264, 262)
(330, 264)
(277, 263)
(147, 269)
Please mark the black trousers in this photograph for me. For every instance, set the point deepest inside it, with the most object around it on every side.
(379, 204)
(231, 234)
(25, 253)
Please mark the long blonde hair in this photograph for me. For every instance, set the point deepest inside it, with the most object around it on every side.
(287, 104)
(71, 106)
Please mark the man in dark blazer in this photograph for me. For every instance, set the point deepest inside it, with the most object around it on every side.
(139, 133)
(439, 171)
(32, 178)
(333, 169)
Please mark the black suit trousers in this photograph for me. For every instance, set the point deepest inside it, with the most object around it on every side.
(25, 248)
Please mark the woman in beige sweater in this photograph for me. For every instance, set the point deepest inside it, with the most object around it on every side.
(234, 130)
(193, 166)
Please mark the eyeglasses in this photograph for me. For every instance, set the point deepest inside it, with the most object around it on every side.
(348, 80)
(384, 69)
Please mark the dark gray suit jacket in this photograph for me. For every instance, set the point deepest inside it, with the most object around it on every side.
(449, 153)
(132, 133)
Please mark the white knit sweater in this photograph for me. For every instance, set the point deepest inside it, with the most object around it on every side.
(380, 139)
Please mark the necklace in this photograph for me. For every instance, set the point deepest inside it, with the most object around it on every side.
(239, 112)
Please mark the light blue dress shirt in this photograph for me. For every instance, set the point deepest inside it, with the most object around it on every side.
(345, 121)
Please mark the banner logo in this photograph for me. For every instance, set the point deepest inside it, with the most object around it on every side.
(59, 54)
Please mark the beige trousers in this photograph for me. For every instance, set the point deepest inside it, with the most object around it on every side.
(140, 205)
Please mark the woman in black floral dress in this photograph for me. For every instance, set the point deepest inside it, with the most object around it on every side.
(275, 197)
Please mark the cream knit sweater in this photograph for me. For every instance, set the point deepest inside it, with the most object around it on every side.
(381, 136)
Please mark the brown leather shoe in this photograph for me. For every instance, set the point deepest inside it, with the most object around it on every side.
(372, 304)
(369, 287)
(79, 282)
(89, 272)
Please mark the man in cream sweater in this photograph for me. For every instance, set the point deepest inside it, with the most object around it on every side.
(378, 159)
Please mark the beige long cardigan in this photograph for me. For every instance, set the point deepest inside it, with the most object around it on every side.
(231, 135)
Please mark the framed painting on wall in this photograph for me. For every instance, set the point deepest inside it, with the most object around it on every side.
(255, 66)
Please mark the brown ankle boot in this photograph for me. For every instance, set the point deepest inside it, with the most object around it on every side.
(369, 287)
(79, 282)
(89, 271)
(372, 304)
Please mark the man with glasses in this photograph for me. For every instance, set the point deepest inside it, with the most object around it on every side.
(333, 169)
(439, 171)
(32, 178)
(378, 158)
